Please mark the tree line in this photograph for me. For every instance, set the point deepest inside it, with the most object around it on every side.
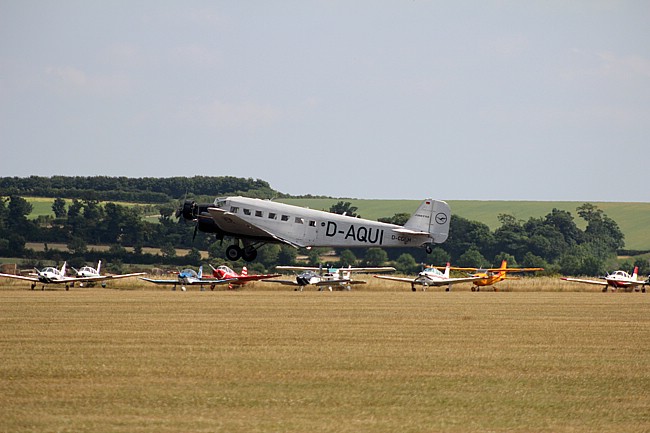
(137, 190)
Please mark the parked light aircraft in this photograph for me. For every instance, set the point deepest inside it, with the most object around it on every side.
(92, 275)
(52, 275)
(256, 222)
(189, 277)
(223, 272)
(431, 276)
(617, 280)
(326, 277)
(490, 276)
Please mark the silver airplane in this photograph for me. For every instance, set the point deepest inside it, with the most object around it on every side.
(256, 222)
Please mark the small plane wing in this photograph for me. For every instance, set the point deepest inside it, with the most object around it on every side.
(204, 282)
(578, 280)
(107, 277)
(284, 282)
(19, 277)
(231, 223)
(417, 280)
(324, 269)
(247, 278)
(344, 282)
(404, 280)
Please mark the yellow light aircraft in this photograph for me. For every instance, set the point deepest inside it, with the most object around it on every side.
(491, 276)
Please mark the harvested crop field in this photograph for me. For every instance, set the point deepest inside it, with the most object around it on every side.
(95, 360)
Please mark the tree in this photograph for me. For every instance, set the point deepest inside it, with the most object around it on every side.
(344, 208)
(399, 219)
(58, 207)
(193, 257)
(347, 258)
(168, 250)
(406, 264)
(472, 258)
(376, 257)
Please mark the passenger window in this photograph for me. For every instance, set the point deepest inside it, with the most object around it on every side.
(258, 213)
(285, 218)
(247, 211)
(299, 220)
(312, 223)
(272, 216)
(234, 209)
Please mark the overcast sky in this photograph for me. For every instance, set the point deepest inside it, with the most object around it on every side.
(511, 100)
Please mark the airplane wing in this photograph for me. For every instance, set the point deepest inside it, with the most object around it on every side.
(191, 283)
(337, 282)
(516, 270)
(106, 277)
(284, 282)
(400, 279)
(578, 280)
(246, 278)
(372, 269)
(231, 223)
(417, 280)
(19, 277)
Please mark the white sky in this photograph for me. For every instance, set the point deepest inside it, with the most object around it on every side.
(490, 99)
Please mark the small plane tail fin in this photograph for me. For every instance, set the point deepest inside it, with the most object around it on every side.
(63, 268)
(244, 271)
(447, 268)
(635, 273)
(433, 217)
(99, 266)
(200, 271)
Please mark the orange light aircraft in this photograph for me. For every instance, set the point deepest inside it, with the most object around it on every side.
(491, 276)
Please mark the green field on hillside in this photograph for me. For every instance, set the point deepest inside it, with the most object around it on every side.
(632, 218)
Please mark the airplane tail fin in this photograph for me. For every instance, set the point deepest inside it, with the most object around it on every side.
(63, 268)
(99, 265)
(201, 271)
(635, 273)
(433, 217)
(244, 271)
(447, 268)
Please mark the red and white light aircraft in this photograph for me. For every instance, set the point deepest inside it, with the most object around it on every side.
(223, 272)
(617, 280)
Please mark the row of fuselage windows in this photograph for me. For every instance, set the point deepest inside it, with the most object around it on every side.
(271, 215)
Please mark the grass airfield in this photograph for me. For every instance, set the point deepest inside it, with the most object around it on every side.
(382, 360)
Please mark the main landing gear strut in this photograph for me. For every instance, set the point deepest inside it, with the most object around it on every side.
(248, 253)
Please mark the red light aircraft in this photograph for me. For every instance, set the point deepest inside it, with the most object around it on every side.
(617, 280)
(223, 272)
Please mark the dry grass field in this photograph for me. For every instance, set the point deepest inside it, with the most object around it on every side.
(379, 359)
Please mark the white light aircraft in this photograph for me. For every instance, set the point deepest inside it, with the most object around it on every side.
(431, 276)
(91, 275)
(256, 222)
(326, 277)
(189, 277)
(52, 275)
(617, 280)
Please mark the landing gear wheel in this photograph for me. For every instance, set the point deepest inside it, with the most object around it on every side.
(428, 249)
(249, 255)
(233, 253)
